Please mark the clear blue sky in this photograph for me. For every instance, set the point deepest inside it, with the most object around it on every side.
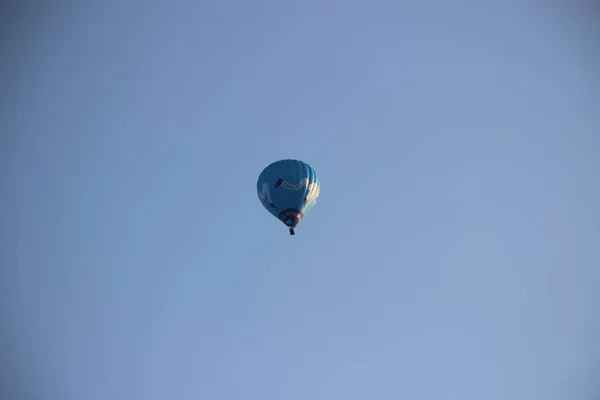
(454, 252)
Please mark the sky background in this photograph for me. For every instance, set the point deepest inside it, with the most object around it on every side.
(454, 251)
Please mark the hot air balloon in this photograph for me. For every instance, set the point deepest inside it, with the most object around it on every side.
(288, 189)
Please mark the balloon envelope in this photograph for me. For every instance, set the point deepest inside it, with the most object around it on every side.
(288, 189)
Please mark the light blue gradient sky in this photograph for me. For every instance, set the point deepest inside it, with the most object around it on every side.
(454, 252)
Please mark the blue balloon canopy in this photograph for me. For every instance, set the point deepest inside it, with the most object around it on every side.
(288, 189)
